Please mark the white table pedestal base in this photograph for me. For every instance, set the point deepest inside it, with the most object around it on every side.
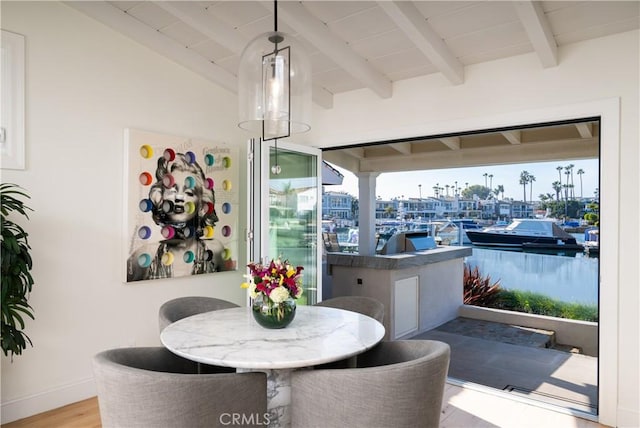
(278, 396)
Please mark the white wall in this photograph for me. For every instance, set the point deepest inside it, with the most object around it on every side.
(593, 78)
(84, 85)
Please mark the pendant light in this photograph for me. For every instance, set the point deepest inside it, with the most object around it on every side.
(274, 86)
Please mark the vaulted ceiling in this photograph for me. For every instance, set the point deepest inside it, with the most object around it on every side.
(363, 44)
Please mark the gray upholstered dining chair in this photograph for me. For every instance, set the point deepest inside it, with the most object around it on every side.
(182, 307)
(152, 387)
(396, 384)
(361, 304)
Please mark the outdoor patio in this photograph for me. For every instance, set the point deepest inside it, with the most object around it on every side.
(517, 361)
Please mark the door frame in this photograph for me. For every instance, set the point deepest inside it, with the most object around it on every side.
(258, 173)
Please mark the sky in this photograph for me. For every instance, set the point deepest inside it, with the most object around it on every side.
(397, 184)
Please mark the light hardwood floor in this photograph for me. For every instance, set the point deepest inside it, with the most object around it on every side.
(462, 408)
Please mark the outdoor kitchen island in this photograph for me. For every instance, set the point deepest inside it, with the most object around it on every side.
(420, 289)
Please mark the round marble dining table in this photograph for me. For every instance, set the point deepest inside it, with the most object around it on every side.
(232, 338)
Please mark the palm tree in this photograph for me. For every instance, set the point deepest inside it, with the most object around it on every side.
(436, 189)
(490, 181)
(500, 189)
(485, 178)
(531, 179)
(557, 187)
(524, 180)
(580, 172)
(447, 187)
(567, 172)
(560, 168)
(573, 195)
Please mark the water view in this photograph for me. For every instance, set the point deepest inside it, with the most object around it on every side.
(569, 279)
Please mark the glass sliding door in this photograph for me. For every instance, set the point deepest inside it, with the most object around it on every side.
(287, 222)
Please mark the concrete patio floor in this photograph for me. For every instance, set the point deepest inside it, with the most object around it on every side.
(523, 367)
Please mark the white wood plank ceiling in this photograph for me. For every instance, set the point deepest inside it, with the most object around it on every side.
(364, 44)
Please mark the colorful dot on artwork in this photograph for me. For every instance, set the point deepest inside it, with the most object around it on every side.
(145, 205)
(226, 231)
(167, 206)
(189, 232)
(210, 208)
(145, 178)
(169, 155)
(189, 182)
(168, 180)
(208, 232)
(188, 257)
(226, 162)
(167, 258)
(168, 232)
(144, 232)
(190, 207)
(226, 208)
(226, 185)
(144, 260)
(226, 254)
(209, 159)
(209, 183)
(146, 151)
(190, 156)
(208, 255)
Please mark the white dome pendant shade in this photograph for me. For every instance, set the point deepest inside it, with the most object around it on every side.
(274, 87)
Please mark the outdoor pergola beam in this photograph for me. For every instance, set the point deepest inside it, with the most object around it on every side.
(585, 129)
(356, 152)
(452, 142)
(417, 29)
(537, 27)
(318, 34)
(404, 148)
(513, 137)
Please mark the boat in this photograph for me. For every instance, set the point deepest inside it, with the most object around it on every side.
(526, 233)
(592, 241)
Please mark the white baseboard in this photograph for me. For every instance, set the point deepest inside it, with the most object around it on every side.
(48, 400)
(628, 418)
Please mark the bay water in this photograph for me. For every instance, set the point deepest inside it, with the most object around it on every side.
(572, 279)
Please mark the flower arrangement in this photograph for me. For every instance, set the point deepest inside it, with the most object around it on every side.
(276, 281)
(273, 288)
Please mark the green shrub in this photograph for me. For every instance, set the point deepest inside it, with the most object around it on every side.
(539, 304)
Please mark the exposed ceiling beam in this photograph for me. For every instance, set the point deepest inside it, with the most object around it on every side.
(415, 26)
(156, 41)
(585, 129)
(452, 142)
(404, 148)
(195, 15)
(321, 96)
(514, 137)
(537, 27)
(316, 32)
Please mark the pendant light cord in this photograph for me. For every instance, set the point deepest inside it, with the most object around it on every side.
(275, 15)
